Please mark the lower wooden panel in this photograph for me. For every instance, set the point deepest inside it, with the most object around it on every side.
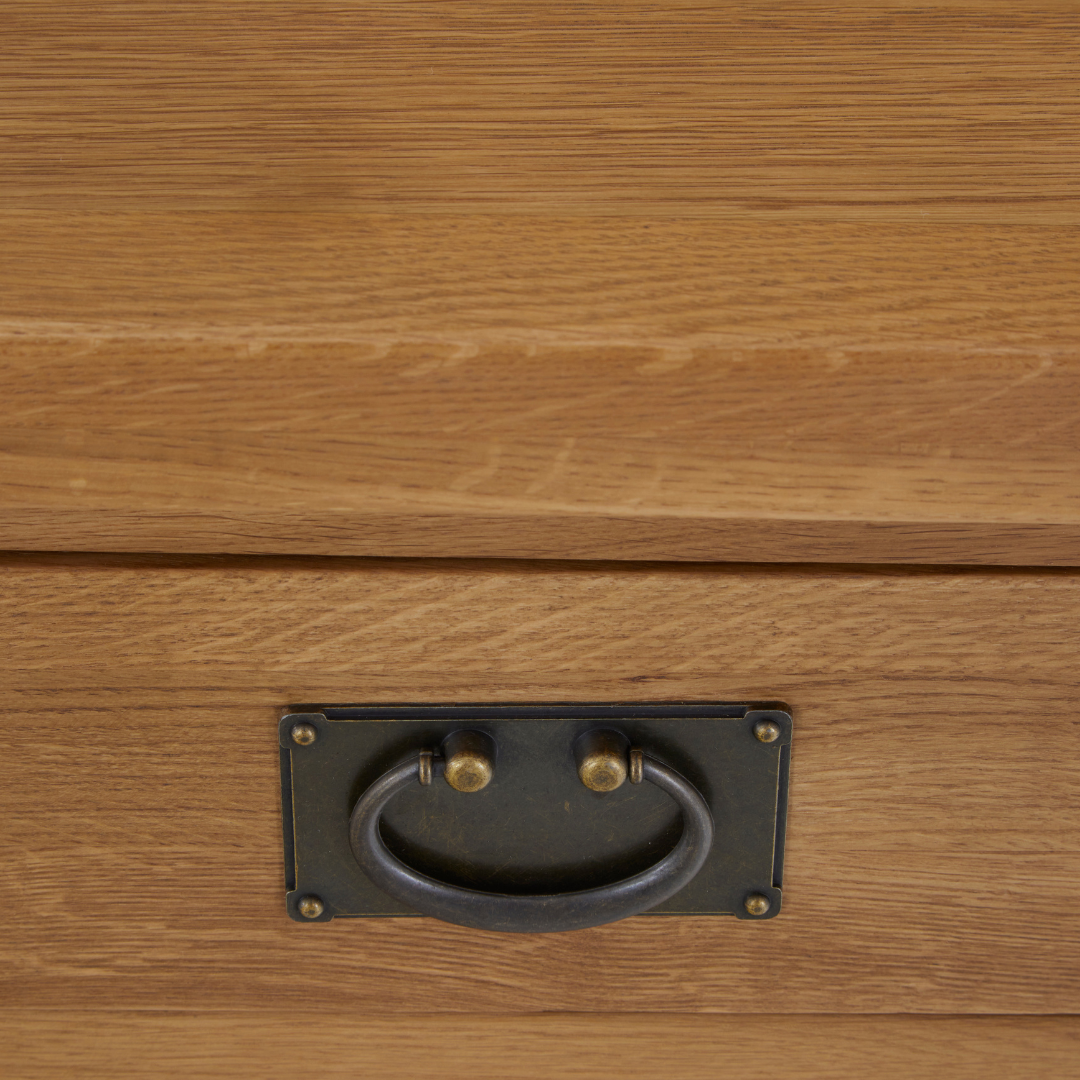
(766, 1046)
(933, 854)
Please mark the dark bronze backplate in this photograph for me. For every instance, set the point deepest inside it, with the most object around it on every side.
(535, 828)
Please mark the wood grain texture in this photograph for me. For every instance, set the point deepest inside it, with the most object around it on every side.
(959, 111)
(534, 387)
(633, 281)
(933, 848)
(63, 1043)
(645, 280)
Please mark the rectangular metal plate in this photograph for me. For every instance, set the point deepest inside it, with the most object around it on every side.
(535, 827)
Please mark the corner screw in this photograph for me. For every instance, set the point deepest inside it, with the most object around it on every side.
(304, 734)
(311, 907)
(767, 730)
(756, 904)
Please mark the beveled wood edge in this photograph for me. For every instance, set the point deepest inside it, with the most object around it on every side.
(589, 537)
(156, 560)
(48, 1043)
(536, 1016)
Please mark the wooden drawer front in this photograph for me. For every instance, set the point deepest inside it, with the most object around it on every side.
(933, 853)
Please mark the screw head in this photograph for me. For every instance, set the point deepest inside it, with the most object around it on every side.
(767, 731)
(756, 904)
(304, 734)
(311, 907)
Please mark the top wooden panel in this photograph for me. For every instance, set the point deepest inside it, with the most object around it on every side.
(957, 111)
(630, 281)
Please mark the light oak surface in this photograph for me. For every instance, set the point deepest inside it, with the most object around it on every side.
(479, 388)
(955, 111)
(765, 283)
(637, 281)
(768, 1046)
(933, 848)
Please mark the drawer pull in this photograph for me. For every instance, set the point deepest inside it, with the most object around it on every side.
(463, 754)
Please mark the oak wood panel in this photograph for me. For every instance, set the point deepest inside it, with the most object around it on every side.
(739, 282)
(933, 848)
(960, 111)
(119, 1045)
(540, 387)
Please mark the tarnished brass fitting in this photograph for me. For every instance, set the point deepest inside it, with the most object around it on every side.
(469, 760)
(602, 759)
